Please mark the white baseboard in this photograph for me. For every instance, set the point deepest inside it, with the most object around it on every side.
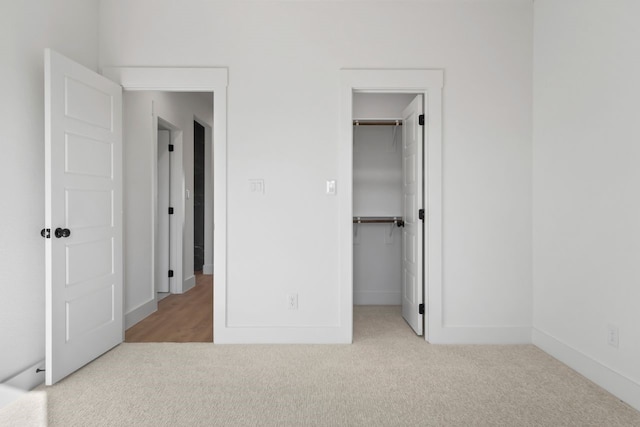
(9, 395)
(139, 313)
(480, 335)
(207, 269)
(281, 335)
(188, 283)
(607, 378)
(28, 378)
(376, 298)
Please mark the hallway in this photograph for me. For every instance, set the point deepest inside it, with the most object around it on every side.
(184, 317)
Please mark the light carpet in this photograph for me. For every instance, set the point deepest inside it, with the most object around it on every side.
(387, 377)
(27, 410)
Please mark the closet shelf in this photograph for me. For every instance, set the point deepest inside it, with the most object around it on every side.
(397, 220)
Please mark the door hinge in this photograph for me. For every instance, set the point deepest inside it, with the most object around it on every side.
(170, 273)
(421, 215)
(170, 147)
(170, 211)
(421, 119)
(46, 233)
(421, 309)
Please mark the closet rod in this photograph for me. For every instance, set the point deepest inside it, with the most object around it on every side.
(397, 220)
(374, 122)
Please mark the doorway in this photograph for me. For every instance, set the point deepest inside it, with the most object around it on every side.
(427, 83)
(170, 151)
(98, 99)
(387, 189)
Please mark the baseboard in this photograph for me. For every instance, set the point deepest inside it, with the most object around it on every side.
(188, 283)
(9, 395)
(207, 269)
(615, 383)
(281, 335)
(28, 378)
(376, 298)
(480, 335)
(139, 313)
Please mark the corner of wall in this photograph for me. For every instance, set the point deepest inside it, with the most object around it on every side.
(604, 376)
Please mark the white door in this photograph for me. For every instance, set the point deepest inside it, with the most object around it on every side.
(412, 137)
(83, 210)
(163, 253)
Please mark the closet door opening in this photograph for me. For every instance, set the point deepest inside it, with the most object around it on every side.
(388, 182)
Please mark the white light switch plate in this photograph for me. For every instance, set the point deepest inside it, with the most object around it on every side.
(331, 187)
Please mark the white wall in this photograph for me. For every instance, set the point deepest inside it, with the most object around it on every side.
(587, 187)
(26, 28)
(283, 111)
(179, 109)
(377, 191)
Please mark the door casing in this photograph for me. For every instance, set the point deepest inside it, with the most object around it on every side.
(196, 80)
(429, 83)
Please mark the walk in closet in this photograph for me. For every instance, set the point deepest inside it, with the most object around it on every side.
(387, 186)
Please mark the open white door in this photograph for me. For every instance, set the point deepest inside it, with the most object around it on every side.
(83, 215)
(412, 171)
(163, 248)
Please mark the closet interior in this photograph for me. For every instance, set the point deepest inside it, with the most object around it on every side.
(378, 198)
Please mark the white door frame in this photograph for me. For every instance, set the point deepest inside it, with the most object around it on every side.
(429, 83)
(196, 80)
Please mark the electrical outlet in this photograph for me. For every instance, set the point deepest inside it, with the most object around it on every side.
(292, 301)
(612, 335)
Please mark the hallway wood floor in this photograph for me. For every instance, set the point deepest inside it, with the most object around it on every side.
(184, 317)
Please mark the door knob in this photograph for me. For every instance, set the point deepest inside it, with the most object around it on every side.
(62, 232)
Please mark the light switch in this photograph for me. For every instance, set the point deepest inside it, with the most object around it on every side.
(331, 187)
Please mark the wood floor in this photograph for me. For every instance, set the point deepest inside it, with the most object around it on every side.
(184, 317)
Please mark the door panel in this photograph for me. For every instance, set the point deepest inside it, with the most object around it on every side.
(83, 196)
(163, 233)
(86, 156)
(89, 208)
(412, 275)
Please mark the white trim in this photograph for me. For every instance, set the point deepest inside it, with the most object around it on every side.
(169, 79)
(614, 382)
(279, 334)
(188, 283)
(140, 312)
(9, 395)
(481, 335)
(377, 298)
(426, 82)
(197, 80)
(207, 269)
(27, 379)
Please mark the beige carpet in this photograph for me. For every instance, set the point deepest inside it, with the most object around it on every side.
(29, 410)
(388, 377)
